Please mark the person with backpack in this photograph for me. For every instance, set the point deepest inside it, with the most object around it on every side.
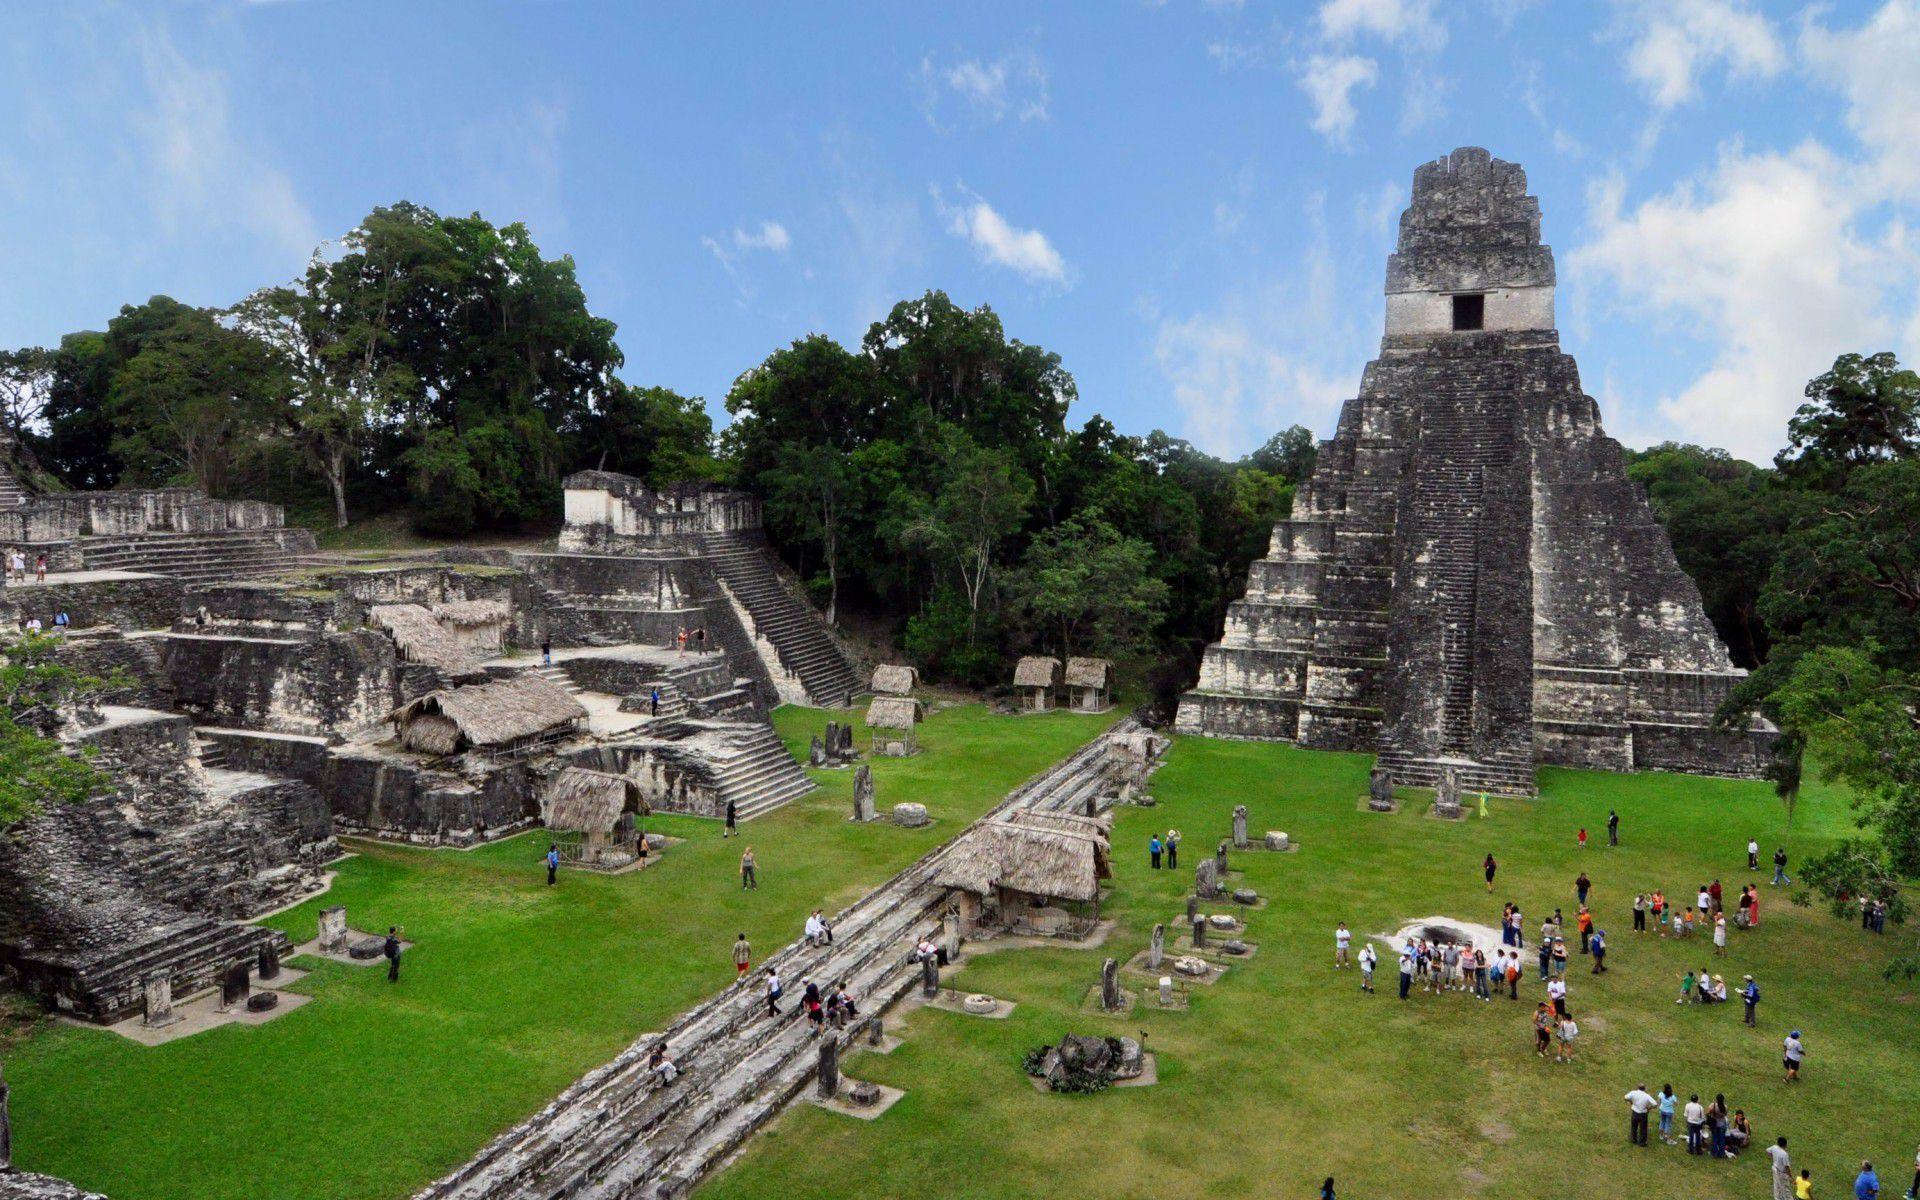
(391, 948)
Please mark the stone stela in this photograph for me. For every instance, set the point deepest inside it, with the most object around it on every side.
(1470, 580)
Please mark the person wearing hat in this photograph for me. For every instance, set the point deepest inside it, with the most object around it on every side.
(1792, 1053)
(1598, 947)
(1750, 994)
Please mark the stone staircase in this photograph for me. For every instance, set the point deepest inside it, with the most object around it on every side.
(798, 634)
(12, 493)
(226, 557)
(618, 1135)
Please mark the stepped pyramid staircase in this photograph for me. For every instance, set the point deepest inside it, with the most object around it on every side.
(798, 634)
(1467, 416)
(224, 557)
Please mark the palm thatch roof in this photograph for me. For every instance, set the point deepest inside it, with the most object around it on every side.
(893, 679)
(1055, 855)
(581, 801)
(893, 712)
(1089, 673)
(422, 639)
(1037, 672)
(486, 714)
(469, 614)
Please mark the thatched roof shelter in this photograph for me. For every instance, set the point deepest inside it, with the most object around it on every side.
(488, 716)
(422, 639)
(1037, 672)
(894, 679)
(581, 801)
(893, 712)
(1090, 673)
(1055, 855)
(471, 614)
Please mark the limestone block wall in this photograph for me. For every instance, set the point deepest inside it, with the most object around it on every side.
(608, 512)
(149, 602)
(319, 685)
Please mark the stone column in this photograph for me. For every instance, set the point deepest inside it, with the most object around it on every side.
(1206, 881)
(1240, 825)
(1446, 798)
(1110, 986)
(269, 964)
(1380, 790)
(950, 934)
(876, 1032)
(829, 1081)
(929, 977)
(235, 986)
(1199, 933)
(333, 929)
(817, 752)
(157, 1000)
(1193, 904)
(1166, 990)
(1220, 862)
(864, 807)
(1157, 948)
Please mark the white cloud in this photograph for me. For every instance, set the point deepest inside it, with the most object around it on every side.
(1012, 85)
(206, 174)
(1025, 251)
(1329, 82)
(772, 237)
(1874, 68)
(1671, 42)
(1770, 259)
(1284, 347)
(1406, 23)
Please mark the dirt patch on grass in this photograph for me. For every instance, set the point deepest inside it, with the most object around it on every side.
(1496, 1131)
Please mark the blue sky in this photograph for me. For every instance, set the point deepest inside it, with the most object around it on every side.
(1190, 202)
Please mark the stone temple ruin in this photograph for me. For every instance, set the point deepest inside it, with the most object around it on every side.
(293, 700)
(1470, 580)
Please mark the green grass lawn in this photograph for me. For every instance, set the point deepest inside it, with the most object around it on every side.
(514, 990)
(1283, 1072)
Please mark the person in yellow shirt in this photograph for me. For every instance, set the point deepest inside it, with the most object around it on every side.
(1803, 1186)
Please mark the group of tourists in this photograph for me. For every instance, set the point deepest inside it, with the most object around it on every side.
(695, 637)
(832, 1008)
(1714, 1129)
(1167, 845)
(35, 626)
(1707, 913)
(1779, 861)
(15, 560)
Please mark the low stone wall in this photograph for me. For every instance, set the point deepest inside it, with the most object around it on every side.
(256, 607)
(320, 685)
(391, 798)
(145, 602)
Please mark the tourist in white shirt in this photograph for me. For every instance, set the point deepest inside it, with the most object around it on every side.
(1640, 1102)
(1367, 959)
(1782, 1170)
(1791, 1054)
(1342, 938)
(1557, 992)
(1695, 1115)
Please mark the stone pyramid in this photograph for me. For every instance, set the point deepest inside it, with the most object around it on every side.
(1470, 580)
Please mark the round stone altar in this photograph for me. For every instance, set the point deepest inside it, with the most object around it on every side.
(979, 1003)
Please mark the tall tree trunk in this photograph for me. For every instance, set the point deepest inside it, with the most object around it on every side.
(337, 480)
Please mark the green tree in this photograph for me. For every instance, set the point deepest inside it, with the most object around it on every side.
(1090, 587)
(1726, 520)
(195, 403)
(980, 499)
(1866, 409)
(1289, 454)
(36, 771)
(652, 433)
(809, 490)
(26, 379)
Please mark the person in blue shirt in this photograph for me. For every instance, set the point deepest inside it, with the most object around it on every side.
(1153, 850)
(553, 862)
(1867, 1185)
(1667, 1101)
(1750, 994)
